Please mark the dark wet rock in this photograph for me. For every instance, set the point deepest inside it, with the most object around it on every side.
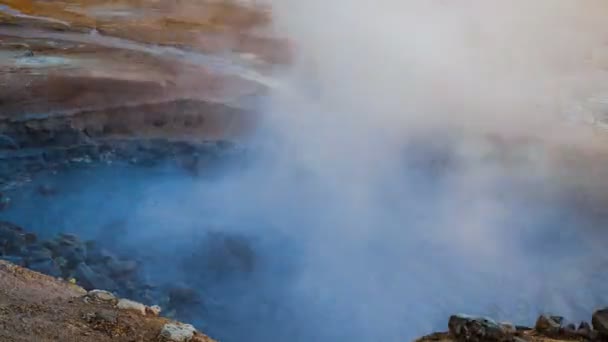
(48, 267)
(547, 325)
(90, 280)
(599, 321)
(12, 238)
(476, 329)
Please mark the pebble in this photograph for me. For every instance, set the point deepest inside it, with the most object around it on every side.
(177, 332)
(126, 304)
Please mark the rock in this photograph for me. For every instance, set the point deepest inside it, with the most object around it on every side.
(48, 267)
(546, 325)
(90, 280)
(476, 329)
(508, 327)
(570, 327)
(153, 310)
(584, 329)
(600, 321)
(126, 304)
(177, 332)
(101, 296)
(12, 238)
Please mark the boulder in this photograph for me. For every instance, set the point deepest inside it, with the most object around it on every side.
(177, 332)
(476, 329)
(547, 325)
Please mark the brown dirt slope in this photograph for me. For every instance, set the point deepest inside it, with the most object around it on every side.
(35, 307)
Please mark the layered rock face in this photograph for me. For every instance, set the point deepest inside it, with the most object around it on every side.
(131, 68)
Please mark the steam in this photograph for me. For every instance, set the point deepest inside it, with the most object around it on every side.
(421, 158)
(391, 250)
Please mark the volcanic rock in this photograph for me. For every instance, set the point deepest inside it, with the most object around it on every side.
(476, 329)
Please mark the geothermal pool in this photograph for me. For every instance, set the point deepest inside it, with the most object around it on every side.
(306, 258)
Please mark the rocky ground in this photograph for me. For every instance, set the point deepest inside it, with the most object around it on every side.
(35, 307)
(547, 328)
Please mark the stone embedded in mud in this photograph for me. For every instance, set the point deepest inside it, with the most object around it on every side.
(126, 304)
(476, 329)
(177, 332)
